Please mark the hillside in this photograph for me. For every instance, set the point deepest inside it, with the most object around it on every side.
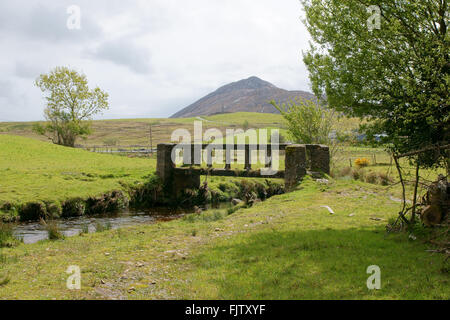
(248, 95)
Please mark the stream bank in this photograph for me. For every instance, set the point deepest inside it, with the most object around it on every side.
(143, 196)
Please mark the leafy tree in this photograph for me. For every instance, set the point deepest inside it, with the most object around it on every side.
(245, 125)
(396, 76)
(310, 123)
(70, 105)
(307, 122)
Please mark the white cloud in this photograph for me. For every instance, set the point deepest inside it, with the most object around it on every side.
(154, 57)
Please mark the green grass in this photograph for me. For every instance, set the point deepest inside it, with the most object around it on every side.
(32, 170)
(285, 248)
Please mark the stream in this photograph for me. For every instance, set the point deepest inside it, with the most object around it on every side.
(32, 232)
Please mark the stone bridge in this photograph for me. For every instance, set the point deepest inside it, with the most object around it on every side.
(299, 160)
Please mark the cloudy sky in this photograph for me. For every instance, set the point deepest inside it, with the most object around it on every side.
(154, 57)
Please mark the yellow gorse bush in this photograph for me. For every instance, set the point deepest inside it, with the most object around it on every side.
(362, 162)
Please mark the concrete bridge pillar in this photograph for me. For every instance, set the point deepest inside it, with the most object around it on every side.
(174, 182)
(164, 164)
(295, 165)
(319, 158)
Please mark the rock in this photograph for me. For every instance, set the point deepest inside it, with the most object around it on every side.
(236, 202)
(351, 215)
(197, 210)
(323, 181)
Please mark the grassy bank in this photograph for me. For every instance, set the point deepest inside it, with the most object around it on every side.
(37, 171)
(288, 247)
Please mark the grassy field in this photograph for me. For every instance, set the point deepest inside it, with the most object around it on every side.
(126, 132)
(288, 247)
(33, 170)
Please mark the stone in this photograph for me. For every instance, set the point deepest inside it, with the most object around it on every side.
(236, 202)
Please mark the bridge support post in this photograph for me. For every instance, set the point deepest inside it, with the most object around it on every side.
(295, 165)
(320, 158)
(165, 167)
(174, 182)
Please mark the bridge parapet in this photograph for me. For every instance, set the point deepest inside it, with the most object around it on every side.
(299, 159)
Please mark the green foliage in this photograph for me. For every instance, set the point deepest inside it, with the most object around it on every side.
(245, 125)
(397, 75)
(53, 230)
(6, 235)
(70, 105)
(84, 229)
(102, 227)
(308, 122)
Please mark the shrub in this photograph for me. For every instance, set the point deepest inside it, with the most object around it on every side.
(362, 162)
(100, 227)
(358, 174)
(232, 210)
(145, 194)
(33, 211)
(107, 203)
(73, 208)
(372, 177)
(6, 235)
(85, 228)
(54, 209)
(53, 231)
(384, 179)
(245, 125)
(11, 212)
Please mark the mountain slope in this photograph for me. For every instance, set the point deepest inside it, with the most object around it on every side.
(250, 95)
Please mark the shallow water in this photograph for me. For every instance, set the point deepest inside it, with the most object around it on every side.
(32, 232)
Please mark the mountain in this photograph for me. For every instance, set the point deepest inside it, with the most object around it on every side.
(250, 95)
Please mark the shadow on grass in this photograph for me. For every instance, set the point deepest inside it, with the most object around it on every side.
(325, 264)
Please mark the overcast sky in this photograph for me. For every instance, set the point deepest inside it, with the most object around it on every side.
(154, 57)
